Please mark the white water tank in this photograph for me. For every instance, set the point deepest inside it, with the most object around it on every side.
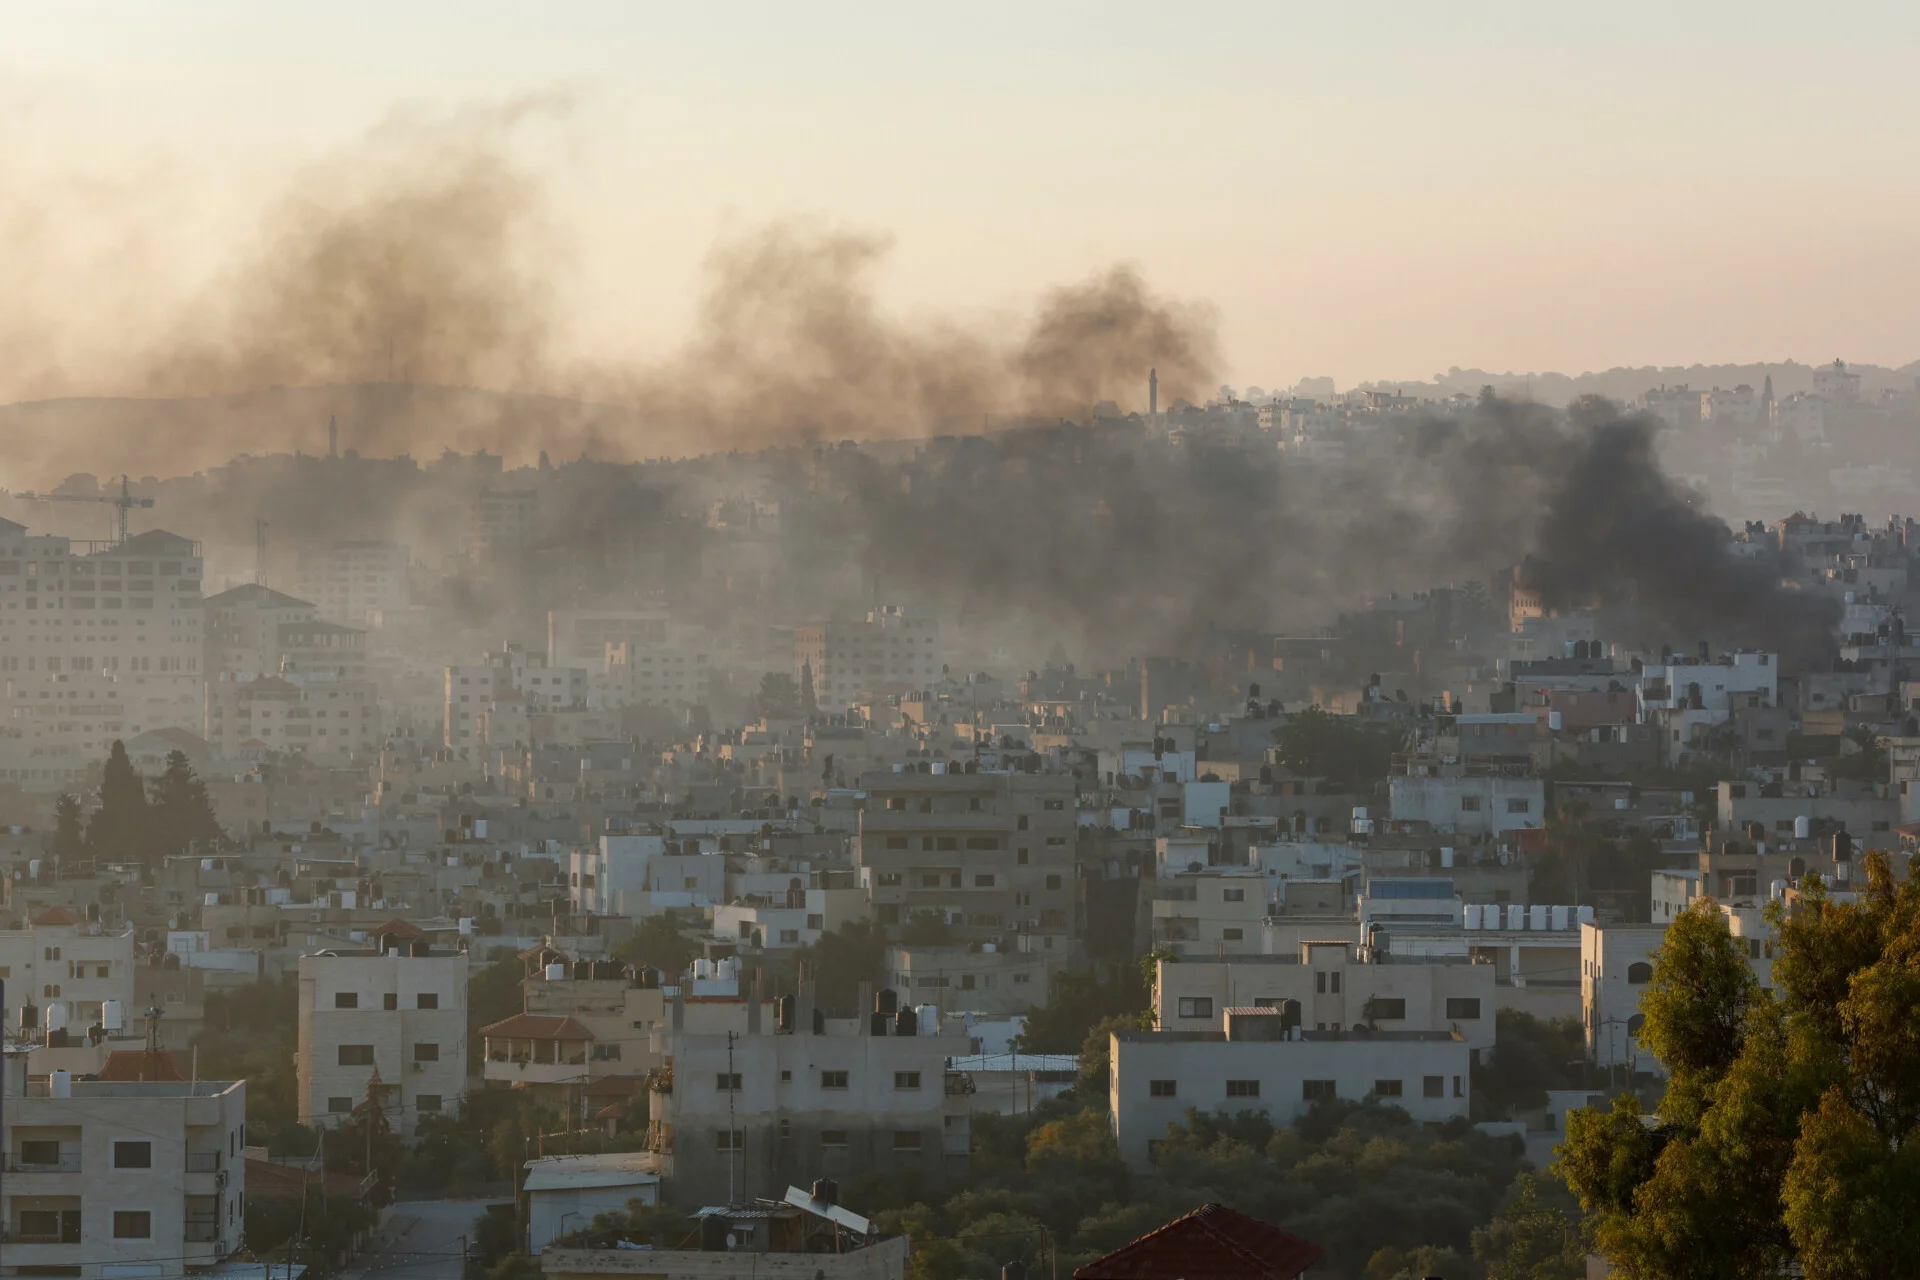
(940, 767)
(1360, 813)
(1802, 827)
(1561, 915)
(702, 968)
(1446, 855)
(33, 868)
(1777, 890)
(556, 973)
(1474, 913)
(479, 828)
(466, 926)
(1537, 917)
(929, 1019)
(989, 948)
(728, 967)
(206, 864)
(56, 1017)
(1585, 915)
(59, 1081)
(113, 1015)
(213, 899)
(1516, 916)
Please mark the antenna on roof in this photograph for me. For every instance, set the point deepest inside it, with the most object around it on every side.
(260, 553)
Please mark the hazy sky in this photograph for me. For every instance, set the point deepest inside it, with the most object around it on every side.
(1362, 190)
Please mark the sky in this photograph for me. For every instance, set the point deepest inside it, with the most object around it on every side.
(1361, 191)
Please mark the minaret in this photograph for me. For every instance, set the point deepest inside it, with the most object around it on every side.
(333, 437)
(1766, 400)
(1153, 393)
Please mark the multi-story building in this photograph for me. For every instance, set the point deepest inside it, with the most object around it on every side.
(1616, 964)
(472, 692)
(244, 627)
(989, 853)
(112, 1178)
(396, 1017)
(98, 640)
(65, 970)
(325, 720)
(890, 650)
(502, 522)
(1326, 986)
(799, 1097)
(1257, 1063)
(354, 582)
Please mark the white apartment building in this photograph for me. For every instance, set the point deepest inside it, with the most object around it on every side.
(326, 720)
(784, 925)
(1481, 805)
(1256, 1065)
(802, 1099)
(1207, 912)
(64, 970)
(611, 878)
(354, 582)
(110, 1179)
(472, 691)
(98, 641)
(891, 649)
(1616, 964)
(401, 1015)
(1326, 986)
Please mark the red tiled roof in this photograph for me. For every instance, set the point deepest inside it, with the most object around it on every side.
(538, 1026)
(284, 1182)
(139, 1064)
(614, 1087)
(54, 916)
(398, 928)
(1211, 1243)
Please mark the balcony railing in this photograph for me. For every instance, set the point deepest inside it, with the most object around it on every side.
(203, 1162)
(65, 1162)
(202, 1230)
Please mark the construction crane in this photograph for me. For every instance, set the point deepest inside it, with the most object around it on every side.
(123, 502)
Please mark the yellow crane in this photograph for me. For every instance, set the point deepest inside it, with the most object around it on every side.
(122, 502)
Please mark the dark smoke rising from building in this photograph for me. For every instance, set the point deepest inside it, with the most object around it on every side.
(1122, 537)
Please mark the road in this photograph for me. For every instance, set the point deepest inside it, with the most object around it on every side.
(418, 1240)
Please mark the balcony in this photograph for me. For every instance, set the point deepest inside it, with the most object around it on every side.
(65, 1162)
(203, 1162)
(202, 1230)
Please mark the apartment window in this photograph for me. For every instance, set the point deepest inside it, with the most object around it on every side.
(1469, 804)
(1639, 973)
(46, 1226)
(133, 1155)
(391, 1000)
(1519, 806)
(906, 1079)
(1433, 1086)
(1162, 1089)
(1196, 1006)
(1463, 1008)
(987, 843)
(1243, 1088)
(1020, 857)
(426, 1053)
(1057, 841)
(346, 999)
(1231, 935)
(1317, 1091)
(930, 881)
(1385, 1010)
(896, 842)
(729, 1139)
(339, 1106)
(427, 1000)
(727, 1082)
(426, 1102)
(983, 881)
(833, 1079)
(132, 1224)
(833, 1137)
(1387, 1088)
(789, 936)
(1459, 1089)
(39, 1152)
(356, 1055)
(1053, 882)
(897, 803)
(1020, 823)
(906, 1139)
(606, 1053)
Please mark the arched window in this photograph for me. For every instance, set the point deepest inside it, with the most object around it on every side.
(1636, 1022)
(1797, 870)
(1639, 973)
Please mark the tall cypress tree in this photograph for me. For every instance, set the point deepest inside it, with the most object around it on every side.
(118, 829)
(69, 828)
(181, 811)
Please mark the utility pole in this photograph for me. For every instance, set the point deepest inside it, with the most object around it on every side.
(260, 553)
(733, 1134)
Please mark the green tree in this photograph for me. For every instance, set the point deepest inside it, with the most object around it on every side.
(179, 811)
(657, 942)
(69, 829)
(1079, 1002)
(1697, 1001)
(1531, 1238)
(778, 697)
(1348, 754)
(1530, 1056)
(493, 995)
(118, 830)
(840, 961)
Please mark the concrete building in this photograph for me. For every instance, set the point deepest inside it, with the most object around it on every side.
(1210, 911)
(990, 853)
(1255, 1065)
(1616, 963)
(399, 1013)
(983, 980)
(472, 691)
(566, 1193)
(98, 640)
(325, 720)
(890, 650)
(612, 879)
(1326, 986)
(354, 582)
(65, 971)
(119, 1178)
(800, 1097)
(1481, 805)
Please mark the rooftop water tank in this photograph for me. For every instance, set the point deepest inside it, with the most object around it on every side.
(1561, 917)
(60, 1082)
(113, 1015)
(1516, 916)
(929, 1017)
(1537, 917)
(56, 1017)
(1471, 915)
(466, 926)
(1585, 914)
(1802, 827)
(556, 973)
(213, 899)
